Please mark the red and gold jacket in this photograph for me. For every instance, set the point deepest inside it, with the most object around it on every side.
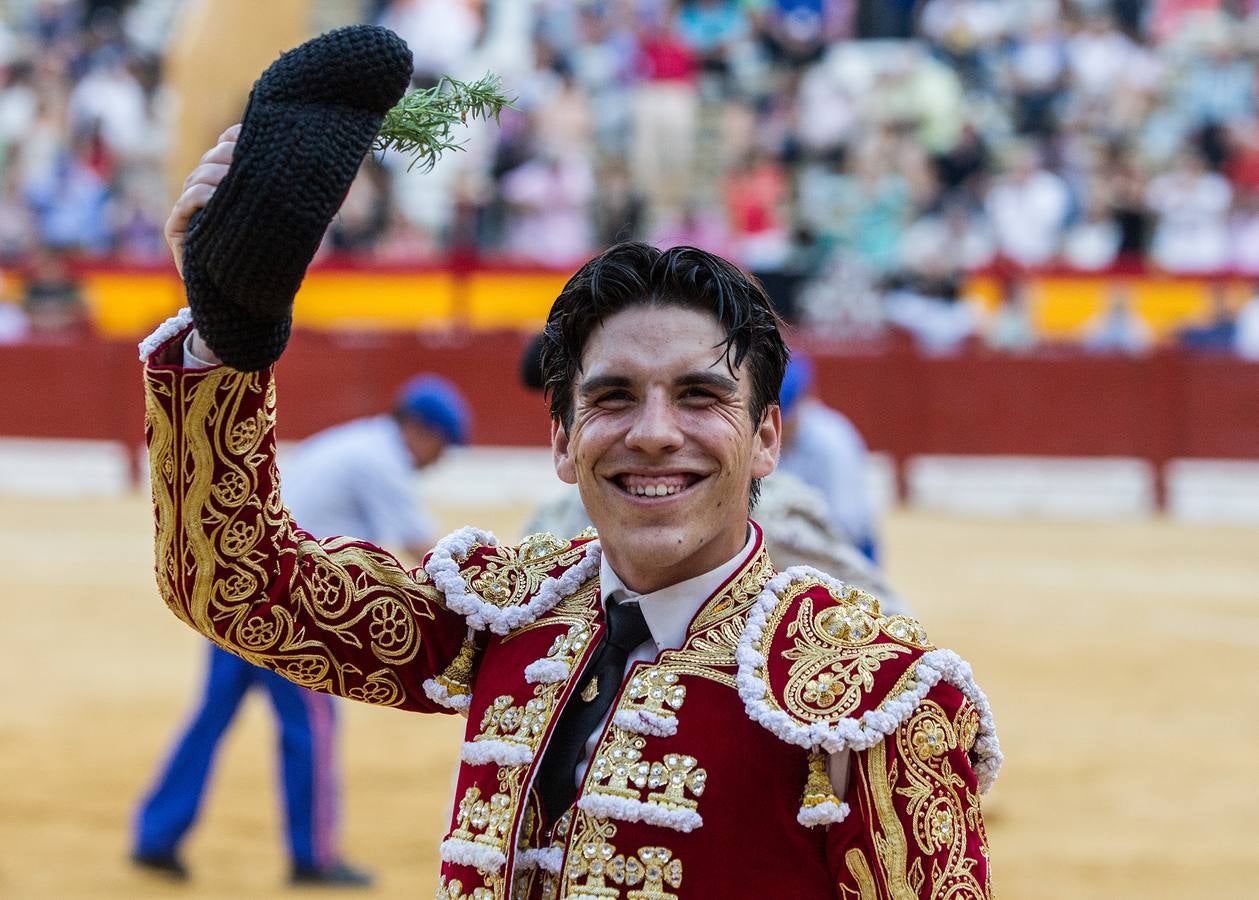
(710, 777)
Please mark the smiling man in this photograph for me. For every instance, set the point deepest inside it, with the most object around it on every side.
(654, 712)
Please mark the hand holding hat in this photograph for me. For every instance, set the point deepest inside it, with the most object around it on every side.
(274, 183)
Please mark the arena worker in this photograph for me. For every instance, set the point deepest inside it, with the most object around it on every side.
(653, 711)
(354, 478)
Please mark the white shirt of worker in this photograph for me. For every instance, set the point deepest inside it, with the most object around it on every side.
(356, 479)
(668, 613)
(828, 454)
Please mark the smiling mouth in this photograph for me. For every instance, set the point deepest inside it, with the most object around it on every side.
(656, 486)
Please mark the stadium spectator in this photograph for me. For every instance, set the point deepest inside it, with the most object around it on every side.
(1118, 329)
(1028, 207)
(1192, 205)
(1246, 337)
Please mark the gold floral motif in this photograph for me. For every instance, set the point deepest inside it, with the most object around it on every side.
(937, 800)
(504, 720)
(489, 820)
(568, 647)
(620, 770)
(506, 575)
(593, 862)
(654, 690)
(453, 890)
(966, 724)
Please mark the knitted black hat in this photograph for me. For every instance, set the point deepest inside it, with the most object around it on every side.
(311, 119)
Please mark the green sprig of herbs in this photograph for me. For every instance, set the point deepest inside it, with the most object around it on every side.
(421, 123)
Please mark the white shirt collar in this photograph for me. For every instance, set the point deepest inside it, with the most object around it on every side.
(669, 611)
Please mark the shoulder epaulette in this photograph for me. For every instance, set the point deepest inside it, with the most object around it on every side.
(504, 587)
(821, 667)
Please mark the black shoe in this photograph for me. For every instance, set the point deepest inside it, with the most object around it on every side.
(167, 865)
(336, 875)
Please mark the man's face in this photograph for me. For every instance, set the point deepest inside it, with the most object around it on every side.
(662, 445)
(425, 445)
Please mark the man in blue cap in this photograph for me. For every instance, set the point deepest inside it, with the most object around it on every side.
(354, 478)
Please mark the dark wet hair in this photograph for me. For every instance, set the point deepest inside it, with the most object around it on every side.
(637, 274)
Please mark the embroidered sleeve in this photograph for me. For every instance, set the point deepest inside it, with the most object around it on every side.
(916, 829)
(340, 615)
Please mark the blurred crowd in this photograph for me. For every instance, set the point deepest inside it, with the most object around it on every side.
(860, 156)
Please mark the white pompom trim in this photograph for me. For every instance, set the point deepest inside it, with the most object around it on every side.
(467, 853)
(548, 859)
(443, 568)
(440, 694)
(873, 726)
(164, 332)
(502, 753)
(604, 806)
(828, 813)
(644, 721)
(547, 671)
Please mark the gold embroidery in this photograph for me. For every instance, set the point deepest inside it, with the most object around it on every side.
(889, 841)
(966, 724)
(709, 651)
(504, 721)
(835, 653)
(594, 861)
(859, 869)
(488, 821)
(935, 794)
(223, 534)
(654, 690)
(619, 770)
(507, 575)
(453, 890)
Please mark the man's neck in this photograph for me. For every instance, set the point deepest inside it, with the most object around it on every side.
(648, 578)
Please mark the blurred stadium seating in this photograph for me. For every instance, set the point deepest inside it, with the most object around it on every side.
(1019, 229)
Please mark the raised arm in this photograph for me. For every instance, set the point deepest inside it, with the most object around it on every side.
(340, 615)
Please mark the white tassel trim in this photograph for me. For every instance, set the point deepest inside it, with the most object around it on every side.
(502, 753)
(439, 694)
(873, 726)
(605, 806)
(468, 853)
(547, 671)
(443, 568)
(164, 332)
(548, 859)
(644, 721)
(828, 813)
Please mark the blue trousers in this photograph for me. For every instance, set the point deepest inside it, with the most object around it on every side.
(306, 743)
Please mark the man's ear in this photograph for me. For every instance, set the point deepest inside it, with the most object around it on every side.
(564, 466)
(767, 442)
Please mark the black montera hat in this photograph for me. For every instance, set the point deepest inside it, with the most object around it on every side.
(310, 120)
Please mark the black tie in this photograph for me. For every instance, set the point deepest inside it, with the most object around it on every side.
(557, 778)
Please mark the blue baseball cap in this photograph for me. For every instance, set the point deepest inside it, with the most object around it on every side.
(436, 403)
(796, 381)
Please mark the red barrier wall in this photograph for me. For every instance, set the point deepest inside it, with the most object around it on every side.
(1159, 407)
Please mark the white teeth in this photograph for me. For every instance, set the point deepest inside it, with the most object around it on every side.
(653, 490)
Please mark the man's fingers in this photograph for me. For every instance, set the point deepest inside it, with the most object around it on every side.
(231, 134)
(207, 173)
(220, 152)
(191, 200)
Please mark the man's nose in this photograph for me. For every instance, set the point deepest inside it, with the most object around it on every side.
(655, 428)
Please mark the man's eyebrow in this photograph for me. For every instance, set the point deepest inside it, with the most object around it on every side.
(600, 382)
(710, 379)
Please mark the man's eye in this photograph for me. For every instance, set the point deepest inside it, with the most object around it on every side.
(614, 398)
(699, 394)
